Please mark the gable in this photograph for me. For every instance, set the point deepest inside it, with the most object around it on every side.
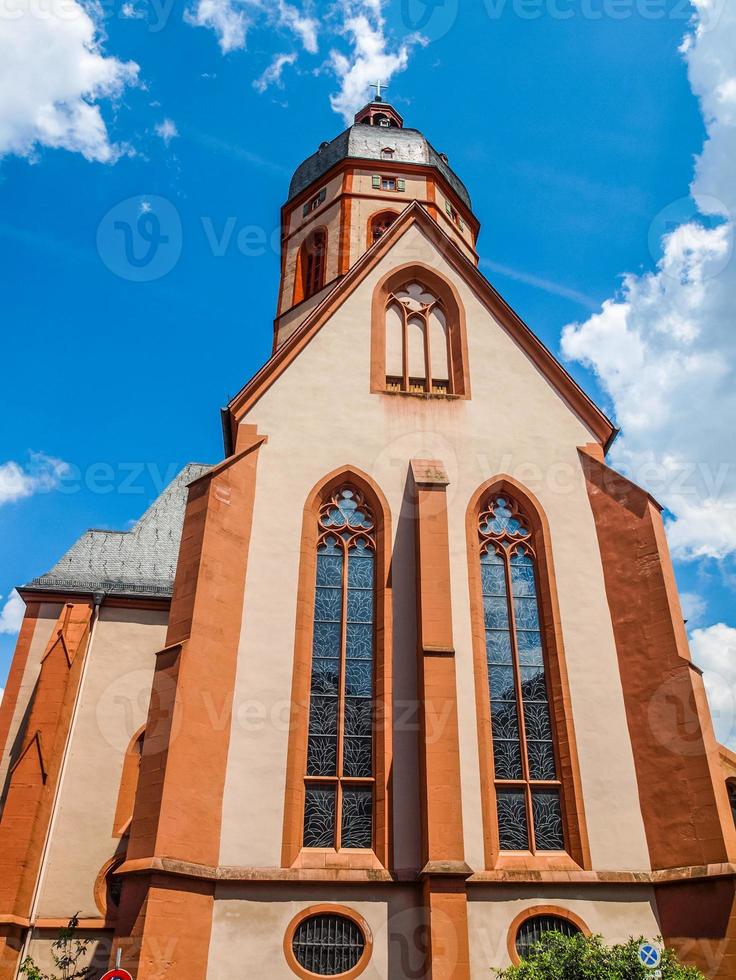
(416, 237)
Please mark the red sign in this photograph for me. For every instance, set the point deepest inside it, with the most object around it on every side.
(117, 975)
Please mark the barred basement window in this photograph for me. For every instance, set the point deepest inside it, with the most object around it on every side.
(328, 945)
(526, 768)
(532, 930)
(340, 775)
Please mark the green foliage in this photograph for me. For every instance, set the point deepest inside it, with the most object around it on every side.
(66, 951)
(557, 957)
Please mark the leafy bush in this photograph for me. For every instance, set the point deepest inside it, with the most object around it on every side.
(66, 952)
(557, 957)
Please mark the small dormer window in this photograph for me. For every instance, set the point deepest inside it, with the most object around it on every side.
(315, 202)
(387, 153)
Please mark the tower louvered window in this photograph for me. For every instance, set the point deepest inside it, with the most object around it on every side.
(526, 768)
(339, 791)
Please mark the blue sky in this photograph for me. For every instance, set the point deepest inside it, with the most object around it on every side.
(577, 136)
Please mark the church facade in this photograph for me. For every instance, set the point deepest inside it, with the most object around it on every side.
(399, 684)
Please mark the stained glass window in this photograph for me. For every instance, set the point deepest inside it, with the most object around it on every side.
(328, 945)
(526, 772)
(418, 354)
(340, 766)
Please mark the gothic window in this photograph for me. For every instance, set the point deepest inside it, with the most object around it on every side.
(128, 784)
(526, 768)
(380, 224)
(312, 265)
(418, 348)
(340, 776)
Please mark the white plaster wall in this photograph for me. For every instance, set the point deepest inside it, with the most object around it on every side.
(321, 415)
(114, 706)
(250, 922)
(615, 912)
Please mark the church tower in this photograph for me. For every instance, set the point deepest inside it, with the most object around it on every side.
(345, 196)
(399, 684)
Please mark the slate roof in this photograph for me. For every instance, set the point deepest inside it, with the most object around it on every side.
(364, 142)
(139, 562)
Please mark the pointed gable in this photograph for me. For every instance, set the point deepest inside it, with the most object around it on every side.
(415, 216)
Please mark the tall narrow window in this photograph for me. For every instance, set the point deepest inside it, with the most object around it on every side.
(312, 265)
(526, 768)
(418, 350)
(339, 787)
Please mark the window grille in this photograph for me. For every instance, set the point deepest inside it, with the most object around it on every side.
(328, 945)
(532, 930)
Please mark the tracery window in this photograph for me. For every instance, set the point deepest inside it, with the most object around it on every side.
(380, 224)
(526, 768)
(340, 777)
(418, 349)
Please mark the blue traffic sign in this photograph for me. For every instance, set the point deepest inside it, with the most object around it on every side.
(650, 956)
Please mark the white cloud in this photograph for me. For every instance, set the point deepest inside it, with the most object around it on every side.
(228, 21)
(664, 349)
(2, 694)
(272, 75)
(306, 28)
(128, 12)
(53, 75)
(362, 53)
(371, 59)
(167, 130)
(231, 20)
(714, 651)
(11, 615)
(41, 474)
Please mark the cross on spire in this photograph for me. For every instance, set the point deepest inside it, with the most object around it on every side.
(378, 86)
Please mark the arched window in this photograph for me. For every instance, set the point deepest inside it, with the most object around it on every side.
(418, 337)
(340, 772)
(418, 355)
(731, 787)
(128, 784)
(311, 265)
(526, 768)
(379, 225)
(535, 927)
